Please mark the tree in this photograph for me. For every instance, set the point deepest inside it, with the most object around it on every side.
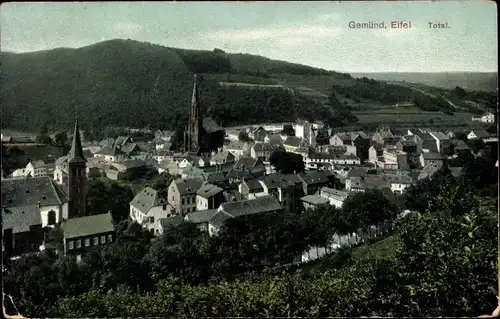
(43, 139)
(368, 208)
(288, 130)
(286, 162)
(105, 195)
(243, 136)
(476, 144)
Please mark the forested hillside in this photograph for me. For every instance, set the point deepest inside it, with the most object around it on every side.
(135, 84)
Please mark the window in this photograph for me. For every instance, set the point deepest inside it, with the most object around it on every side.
(70, 245)
(183, 201)
(51, 217)
(96, 241)
(151, 219)
(78, 243)
(103, 239)
(164, 207)
(87, 242)
(110, 238)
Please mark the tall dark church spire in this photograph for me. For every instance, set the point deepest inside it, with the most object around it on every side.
(194, 99)
(76, 152)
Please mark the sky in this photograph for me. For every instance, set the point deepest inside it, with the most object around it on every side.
(310, 33)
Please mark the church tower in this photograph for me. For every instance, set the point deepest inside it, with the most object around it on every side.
(195, 122)
(77, 177)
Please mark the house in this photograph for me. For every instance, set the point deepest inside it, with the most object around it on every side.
(485, 118)
(258, 134)
(182, 194)
(442, 141)
(165, 136)
(111, 154)
(30, 207)
(292, 143)
(334, 196)
(163, 224)
(267, 204)
(192, 171)
(425, 143)
(432, 157)
(281, 187)
(147, 207)
(394, 157)
(233, 135)
(460, 147)
(36, 168)
(222, 157)
(313, 201)
(347, 159)
(275, 140)
(477, 134)
(83, 233)
(161, 155)
(131, 169)
(251, 189)
(375, 152)
(209, 196)
(383, 136)
(407, 146)
(274, 127)
(255, 166)
(313, 181)
(315, 160)
(216, 178)
(237, 148)
(304, 130)
(363, 183)
(263, 151)
(430, 170)
(201, 218)
(400, 182)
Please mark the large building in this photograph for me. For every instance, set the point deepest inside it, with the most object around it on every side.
(203, 135)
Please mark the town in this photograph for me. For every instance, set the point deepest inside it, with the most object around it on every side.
(222, 174)
(195, 160)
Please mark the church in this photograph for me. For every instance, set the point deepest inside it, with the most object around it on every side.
(202, 135)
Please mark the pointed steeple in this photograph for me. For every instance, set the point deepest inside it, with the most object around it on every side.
(76, 153)
(194, 99)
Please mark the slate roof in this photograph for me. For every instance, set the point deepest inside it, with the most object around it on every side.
(235, 145)
(147, 199)
(407, 143)
(333, 193)
(293, 141)
(38, 164)
(121, 140)
(251, 206)
(432, 156)
(210, 126)
(202, 216)
(312, 177)
(20, 218)
(30, 191)
(129, 148)
(133, 163)
(188, 185)
(440, 136)
(223, 157)
(219, 218)
(275, 139)
(248, 162)
(253, 186)
(275, 180)
(215, 177)
(208, 190)
(429, 170)
(481, 133)
(87, 153)
(264, 147)
(315, 200)
(87, 225)
(425, 136)
(109, 151)
(171, 221)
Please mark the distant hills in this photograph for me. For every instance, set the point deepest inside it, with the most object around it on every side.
(136, 84)
(480, 81)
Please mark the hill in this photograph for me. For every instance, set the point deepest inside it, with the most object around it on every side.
(481, 81)
(136, 84)
(129, 83)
